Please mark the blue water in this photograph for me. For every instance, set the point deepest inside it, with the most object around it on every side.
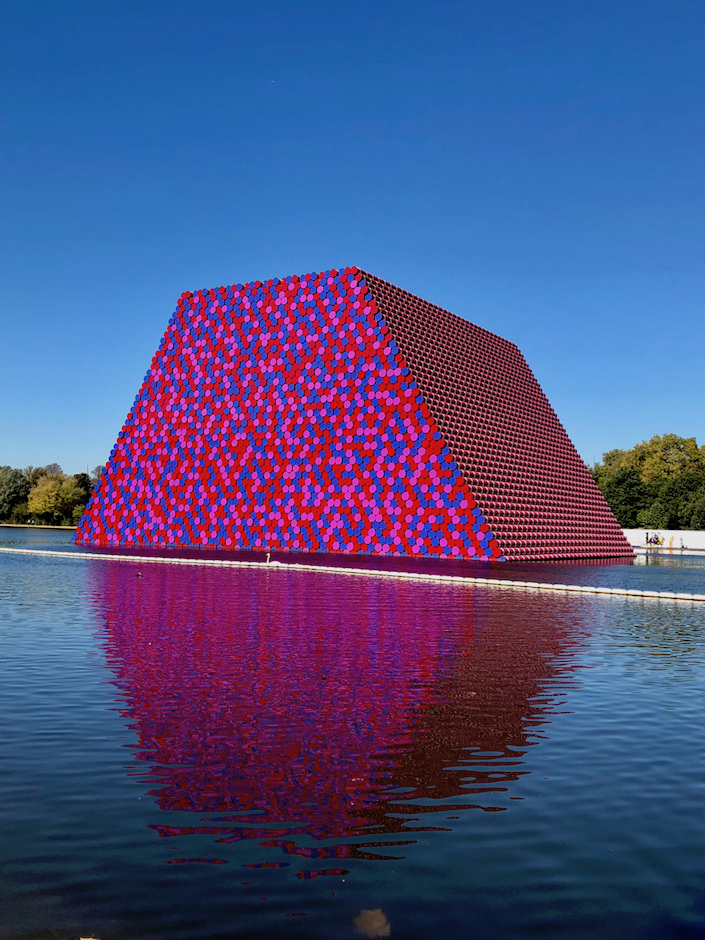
(190, 752)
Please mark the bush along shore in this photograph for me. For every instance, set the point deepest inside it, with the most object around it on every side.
(44, 495)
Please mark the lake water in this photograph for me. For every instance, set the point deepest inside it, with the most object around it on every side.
(260, 753)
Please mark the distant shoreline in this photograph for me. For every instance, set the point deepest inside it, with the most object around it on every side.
(27, 525)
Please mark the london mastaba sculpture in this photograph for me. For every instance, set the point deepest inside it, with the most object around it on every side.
(335, 412)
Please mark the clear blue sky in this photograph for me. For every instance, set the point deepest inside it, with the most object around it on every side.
(536, 167)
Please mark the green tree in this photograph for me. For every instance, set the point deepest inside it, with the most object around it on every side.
(72, 496)
(55, 497)
(694, 511)
(676, 494)
(655, 516)
(44, 499)
(660, 458)
(34, 474)
(20, 513)
(653, 484)
(626, 496)
(85, 483)
(663, 458)
(14, 488)
(612, 462)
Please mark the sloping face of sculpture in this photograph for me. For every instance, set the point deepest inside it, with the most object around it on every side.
(334, 412)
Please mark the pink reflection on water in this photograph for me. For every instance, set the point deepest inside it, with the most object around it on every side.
(290, 706)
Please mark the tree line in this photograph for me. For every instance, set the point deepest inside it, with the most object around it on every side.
(44, 495)
(658, 484)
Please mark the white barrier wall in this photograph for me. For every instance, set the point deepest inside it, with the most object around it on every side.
(672, 538)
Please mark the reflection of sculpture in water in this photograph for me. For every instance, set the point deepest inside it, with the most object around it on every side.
(295, 706)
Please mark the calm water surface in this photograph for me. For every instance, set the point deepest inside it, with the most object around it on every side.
(213, 753)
